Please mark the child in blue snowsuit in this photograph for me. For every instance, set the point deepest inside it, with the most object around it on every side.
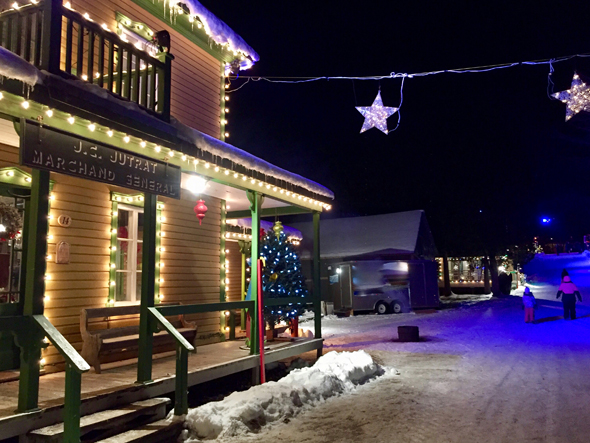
(529, 302)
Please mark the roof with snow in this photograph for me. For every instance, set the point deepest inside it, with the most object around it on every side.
(216, 29)
(403, 235)
(14, 67)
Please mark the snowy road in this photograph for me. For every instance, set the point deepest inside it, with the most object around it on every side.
(481, 375)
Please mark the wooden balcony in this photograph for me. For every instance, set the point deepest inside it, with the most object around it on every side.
(64, 42)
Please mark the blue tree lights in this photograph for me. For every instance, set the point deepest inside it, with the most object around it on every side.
(282, 276)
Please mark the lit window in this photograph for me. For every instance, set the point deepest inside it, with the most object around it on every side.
(129, 254)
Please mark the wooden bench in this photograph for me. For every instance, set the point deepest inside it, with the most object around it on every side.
(110, 340)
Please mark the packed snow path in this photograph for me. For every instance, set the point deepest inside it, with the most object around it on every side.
(481, 375)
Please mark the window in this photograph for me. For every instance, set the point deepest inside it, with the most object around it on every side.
(10, 253)
(129, 254)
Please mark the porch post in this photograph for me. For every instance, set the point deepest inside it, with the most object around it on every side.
(317, 283)
(51, 38)
(148, 281)
(255, 205)
(223, 276)
(243, 252)
(36, 265)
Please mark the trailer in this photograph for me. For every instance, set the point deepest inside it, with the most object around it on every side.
(384, 286)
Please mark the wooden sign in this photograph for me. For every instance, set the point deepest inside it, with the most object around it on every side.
(64, 220)
(62, 253)
(58, 151)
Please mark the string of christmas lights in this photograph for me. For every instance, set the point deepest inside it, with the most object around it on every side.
(577, 97)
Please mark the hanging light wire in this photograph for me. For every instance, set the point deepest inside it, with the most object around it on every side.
(393, 75)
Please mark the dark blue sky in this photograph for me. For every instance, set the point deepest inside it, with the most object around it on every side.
(492, 141)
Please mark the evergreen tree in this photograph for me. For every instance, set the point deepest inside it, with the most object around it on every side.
(282, 276)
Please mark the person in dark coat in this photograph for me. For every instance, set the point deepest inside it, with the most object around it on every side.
(569, 291)
(564, 273)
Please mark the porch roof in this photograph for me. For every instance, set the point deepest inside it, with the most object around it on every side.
(197, 152)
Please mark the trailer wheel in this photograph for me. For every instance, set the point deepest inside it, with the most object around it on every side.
(396, 307)
(381, 308)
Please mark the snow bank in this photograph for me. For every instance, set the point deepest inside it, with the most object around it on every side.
(12, 66)
(245, 412)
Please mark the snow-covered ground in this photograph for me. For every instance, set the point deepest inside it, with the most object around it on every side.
(544, 273)
(480, 374)
(242, 413)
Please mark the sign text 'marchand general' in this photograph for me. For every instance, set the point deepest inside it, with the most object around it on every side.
(56, 151)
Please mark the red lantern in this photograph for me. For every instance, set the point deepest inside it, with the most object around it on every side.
(200, 210)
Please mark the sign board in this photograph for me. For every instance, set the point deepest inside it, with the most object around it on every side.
(64, 220)
(62, 253)
(53, 150)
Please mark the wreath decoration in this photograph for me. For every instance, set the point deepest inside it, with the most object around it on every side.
(11, 222)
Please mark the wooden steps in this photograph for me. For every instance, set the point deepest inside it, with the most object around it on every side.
(104, 424)
(157, 432)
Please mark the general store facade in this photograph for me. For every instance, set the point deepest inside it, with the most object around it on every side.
(110, 132)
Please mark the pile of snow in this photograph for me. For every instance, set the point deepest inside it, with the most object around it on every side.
(12, 66)
(244, 412)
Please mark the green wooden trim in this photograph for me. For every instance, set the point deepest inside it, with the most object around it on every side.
(64, 347)
(158, 263)
(113, 253)
(128, 199)
(255, 209)
(243, 284)
(15, 177)
(30, 342)
(72, 405)
(222, 113)
(222, 268)
(191, 31)
(51, 36)
(148, 280)
(178, 337)
(181, 388)
(317, 284)
(270, 212)
(37, 228)
(11, 104)
(172, 310)
(136, 27)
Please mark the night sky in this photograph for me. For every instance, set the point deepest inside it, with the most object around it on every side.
(490, 142)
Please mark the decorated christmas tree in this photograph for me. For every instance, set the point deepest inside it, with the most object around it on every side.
(282, 276)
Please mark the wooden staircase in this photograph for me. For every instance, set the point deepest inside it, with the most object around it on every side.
(138, 422)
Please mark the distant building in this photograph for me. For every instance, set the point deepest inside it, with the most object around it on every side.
(362, 257)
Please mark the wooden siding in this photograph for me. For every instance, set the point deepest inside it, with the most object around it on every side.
(196, 75)
(84, 282)
(234, 272)
(191, 271)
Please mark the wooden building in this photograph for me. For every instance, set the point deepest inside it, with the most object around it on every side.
(112, 129)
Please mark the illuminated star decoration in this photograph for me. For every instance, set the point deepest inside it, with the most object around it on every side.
(577, 97)
(376, 115)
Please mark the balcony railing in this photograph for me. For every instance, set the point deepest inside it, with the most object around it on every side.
(65, 42)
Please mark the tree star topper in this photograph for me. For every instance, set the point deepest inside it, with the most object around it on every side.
(577, 97)
(376, 115)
